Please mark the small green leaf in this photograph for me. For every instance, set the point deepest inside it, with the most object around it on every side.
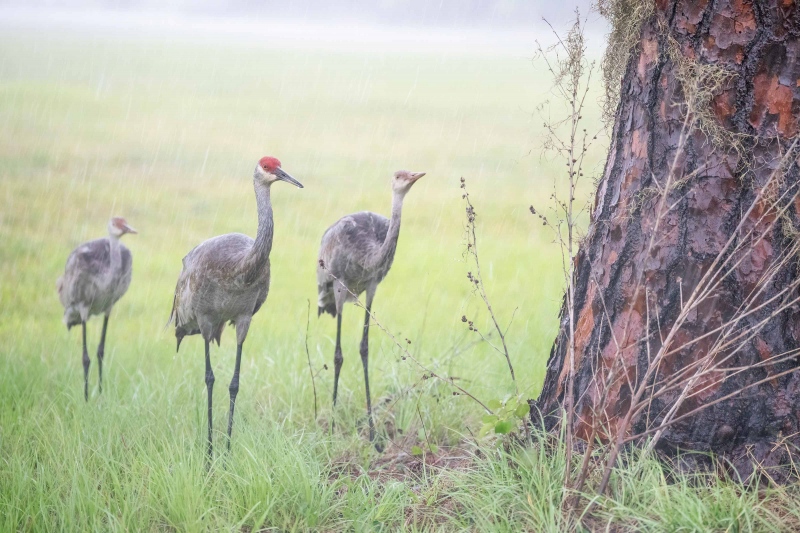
(490, 419)
(433, 448)
(503, 427)
(511, 404)
(416, 450)
(485, 430)
(495, 404)
(522, 410)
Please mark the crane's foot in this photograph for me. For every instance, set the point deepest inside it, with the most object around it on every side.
(371, 428)
(378, 441)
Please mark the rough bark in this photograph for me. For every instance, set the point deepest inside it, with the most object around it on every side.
(757, 42)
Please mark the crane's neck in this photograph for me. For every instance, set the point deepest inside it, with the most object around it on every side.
(386, 254)
(256, 259)
(114, 252)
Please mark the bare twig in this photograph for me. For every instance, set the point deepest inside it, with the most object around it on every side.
(477, 280)
(308, 356)
(424, 431)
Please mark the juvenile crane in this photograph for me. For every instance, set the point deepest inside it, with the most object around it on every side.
(97, 274)
(355, 255)
(225, 280)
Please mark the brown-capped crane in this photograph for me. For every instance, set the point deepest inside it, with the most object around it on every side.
(354, 257)
(96, 276)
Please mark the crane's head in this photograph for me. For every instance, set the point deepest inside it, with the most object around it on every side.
(118, 226)
(269, 170)
(403, 180)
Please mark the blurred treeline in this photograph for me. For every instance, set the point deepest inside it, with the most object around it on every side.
(456, 13)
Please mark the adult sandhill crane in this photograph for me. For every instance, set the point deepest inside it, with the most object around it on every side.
(226, 279)
(97, 274)
(355, 255)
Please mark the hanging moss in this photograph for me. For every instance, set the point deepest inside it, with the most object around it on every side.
(700, 82)
(626, 18)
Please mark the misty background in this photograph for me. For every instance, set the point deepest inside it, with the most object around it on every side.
(477, 25)
(453, 13)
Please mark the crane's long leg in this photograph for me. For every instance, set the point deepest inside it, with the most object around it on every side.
(101, 350)
(86, 363)
(210, 387)
(365, 361)
(234, 390)
(337, 356)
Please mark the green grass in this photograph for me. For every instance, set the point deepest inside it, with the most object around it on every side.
(167, 135)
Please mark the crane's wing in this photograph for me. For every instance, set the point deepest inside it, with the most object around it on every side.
(182, 299)
(262, 297)
(91, 257)
(345, 249)
(78, 288)
(207, 264)
(84, 264)
(181, 315)
(353, 240)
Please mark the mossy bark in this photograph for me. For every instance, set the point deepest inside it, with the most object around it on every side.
(757, 43)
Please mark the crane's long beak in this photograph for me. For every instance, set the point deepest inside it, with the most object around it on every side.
(283, 176)
(128, 229)
(417, 175)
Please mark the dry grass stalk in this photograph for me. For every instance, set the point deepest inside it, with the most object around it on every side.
(308, 357)
(476, 280)
(566, 139)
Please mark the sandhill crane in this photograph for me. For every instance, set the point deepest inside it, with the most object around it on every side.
(226, 279)
(355, 255)
(97, 274)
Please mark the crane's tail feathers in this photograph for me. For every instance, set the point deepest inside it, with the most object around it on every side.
(329, 308)
(326, 303)
(71, 317)
(173, 314)
(218, 334)
(181, 332)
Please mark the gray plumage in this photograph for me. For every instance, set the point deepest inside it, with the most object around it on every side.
(353, 252)
(97, 275)
(355, 255)
(225, 280)
(94, 280)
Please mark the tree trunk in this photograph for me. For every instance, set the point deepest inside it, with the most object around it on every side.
(627, 288)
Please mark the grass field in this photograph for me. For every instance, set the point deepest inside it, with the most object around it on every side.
(167, 134)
